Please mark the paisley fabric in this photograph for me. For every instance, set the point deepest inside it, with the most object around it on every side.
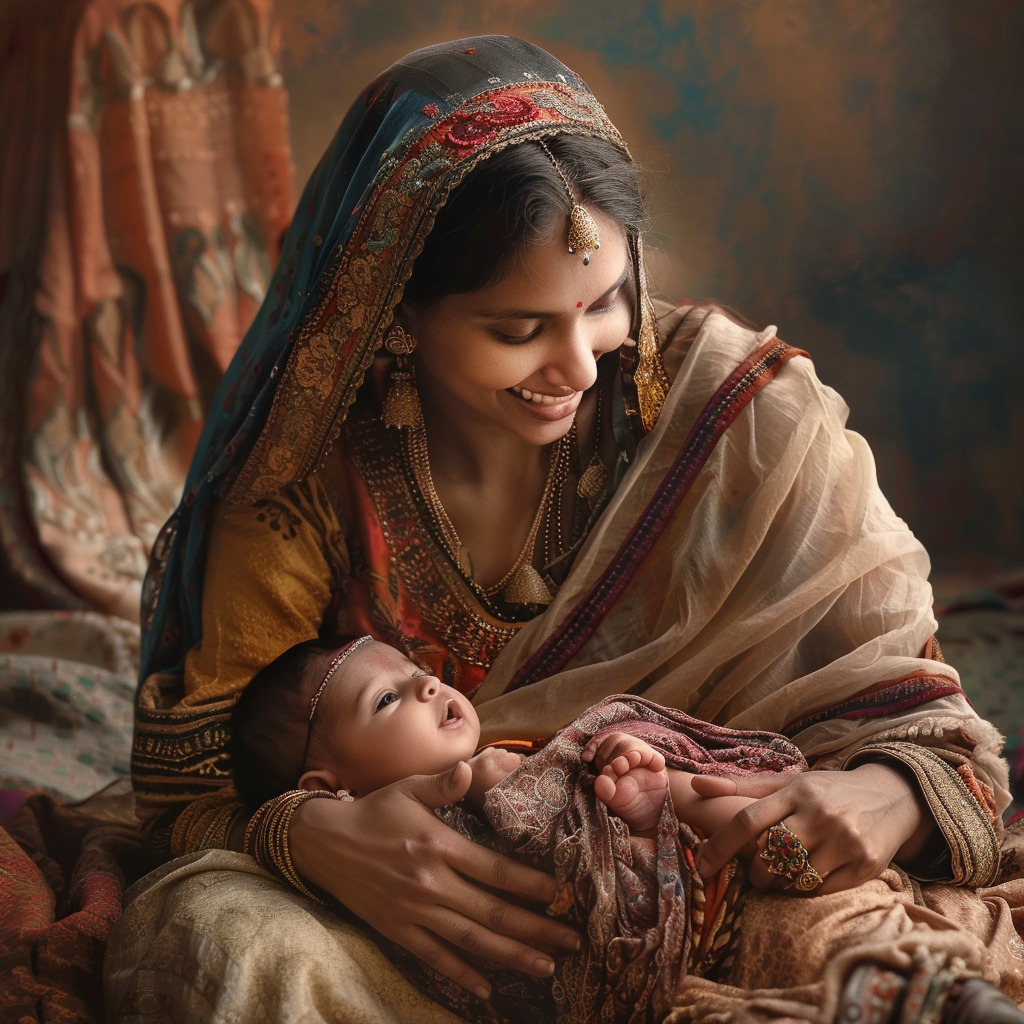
(648, 916)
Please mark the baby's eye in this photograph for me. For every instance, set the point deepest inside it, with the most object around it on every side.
(389, 698)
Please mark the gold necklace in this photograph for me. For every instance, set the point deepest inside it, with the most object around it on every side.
(522, 584)
(594, 479)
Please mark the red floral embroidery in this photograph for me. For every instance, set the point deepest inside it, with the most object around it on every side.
(501, 112)
(471, 50)
(430, 110)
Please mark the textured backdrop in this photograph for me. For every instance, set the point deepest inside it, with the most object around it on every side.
(852, 172)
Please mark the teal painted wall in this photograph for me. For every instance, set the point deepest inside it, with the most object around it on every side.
(851, 171)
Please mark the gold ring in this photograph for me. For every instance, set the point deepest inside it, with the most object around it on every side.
(788, 858)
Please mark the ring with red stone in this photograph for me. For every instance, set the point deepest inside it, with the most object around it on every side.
(788, 858)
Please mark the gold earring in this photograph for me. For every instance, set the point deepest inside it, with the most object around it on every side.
(402, 402)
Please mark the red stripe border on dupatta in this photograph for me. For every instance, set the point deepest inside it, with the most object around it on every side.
(901, 696)
(728, 402)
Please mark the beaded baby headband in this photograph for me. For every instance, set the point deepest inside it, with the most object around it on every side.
(331, 669)
(583, 236)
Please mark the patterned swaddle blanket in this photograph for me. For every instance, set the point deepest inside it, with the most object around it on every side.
(644, 911)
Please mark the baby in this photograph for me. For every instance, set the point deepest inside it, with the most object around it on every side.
(352, 716)
(378, 718)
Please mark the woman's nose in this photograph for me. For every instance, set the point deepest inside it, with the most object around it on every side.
(573, 363)
(427, 687)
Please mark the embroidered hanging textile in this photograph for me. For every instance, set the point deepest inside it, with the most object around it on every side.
(143, 196)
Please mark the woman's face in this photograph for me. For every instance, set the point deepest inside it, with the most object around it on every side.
(518, 354)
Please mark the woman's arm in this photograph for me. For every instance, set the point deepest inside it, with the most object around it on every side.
(852, 823)
(271, 570)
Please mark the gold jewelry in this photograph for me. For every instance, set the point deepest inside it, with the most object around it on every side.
(399, 342)
(788, 858)
(649, 377)
(583, 234)
(215, 825)
(335, 664)
(402, 402)
(594, 479)
(522, 584)
(266, 837)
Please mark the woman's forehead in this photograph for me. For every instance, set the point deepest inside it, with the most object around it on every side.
(548, 278)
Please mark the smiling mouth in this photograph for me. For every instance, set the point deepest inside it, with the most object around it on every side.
(538, 399)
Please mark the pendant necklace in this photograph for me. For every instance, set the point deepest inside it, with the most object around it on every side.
(522, 584)
(594, 479)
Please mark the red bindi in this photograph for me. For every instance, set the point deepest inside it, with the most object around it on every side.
(579, 305)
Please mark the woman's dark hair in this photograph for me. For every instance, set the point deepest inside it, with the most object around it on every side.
(270, 722)
(514, 199)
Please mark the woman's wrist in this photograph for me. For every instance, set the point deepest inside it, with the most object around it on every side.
(310, 823)
(915, 827)
(268, 837)
(965, 850)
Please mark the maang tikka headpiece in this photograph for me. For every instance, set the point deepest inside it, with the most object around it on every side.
(583, 235)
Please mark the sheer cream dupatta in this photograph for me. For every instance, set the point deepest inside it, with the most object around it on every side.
(783, 586)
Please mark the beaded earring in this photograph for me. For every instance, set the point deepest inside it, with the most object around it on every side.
(402, 402)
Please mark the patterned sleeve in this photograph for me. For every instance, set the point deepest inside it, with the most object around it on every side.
(273, 570)
(964, 813)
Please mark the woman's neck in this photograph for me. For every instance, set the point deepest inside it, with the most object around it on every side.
(491, 485)
(482, 456)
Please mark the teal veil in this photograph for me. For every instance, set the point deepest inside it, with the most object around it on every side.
(411, 137)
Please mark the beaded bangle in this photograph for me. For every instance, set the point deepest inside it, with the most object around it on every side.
(266, 837)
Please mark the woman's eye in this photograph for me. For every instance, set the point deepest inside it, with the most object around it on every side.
(388, 698)
(516, 339)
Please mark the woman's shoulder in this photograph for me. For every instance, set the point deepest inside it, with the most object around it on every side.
(723, 333)
(702, 343)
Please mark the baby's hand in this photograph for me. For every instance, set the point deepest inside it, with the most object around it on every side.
(490, 767)
(635, 753)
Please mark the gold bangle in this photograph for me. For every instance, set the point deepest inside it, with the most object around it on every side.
(217, 824)
(266, 837)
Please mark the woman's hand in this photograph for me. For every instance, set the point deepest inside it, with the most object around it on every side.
(389, 860)
(852, 823)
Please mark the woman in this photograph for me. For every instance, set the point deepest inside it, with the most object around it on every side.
(549, 493)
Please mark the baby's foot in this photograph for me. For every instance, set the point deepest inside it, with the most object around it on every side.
(634, 794)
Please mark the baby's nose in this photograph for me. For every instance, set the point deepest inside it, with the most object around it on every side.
(427, 687)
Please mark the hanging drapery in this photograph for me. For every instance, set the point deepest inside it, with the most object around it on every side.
(145, 184)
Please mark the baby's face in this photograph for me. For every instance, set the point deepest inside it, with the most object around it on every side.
(390, 720)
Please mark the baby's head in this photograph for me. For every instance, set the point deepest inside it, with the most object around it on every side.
(344, 713)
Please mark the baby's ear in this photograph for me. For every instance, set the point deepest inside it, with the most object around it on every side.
(320, 778)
